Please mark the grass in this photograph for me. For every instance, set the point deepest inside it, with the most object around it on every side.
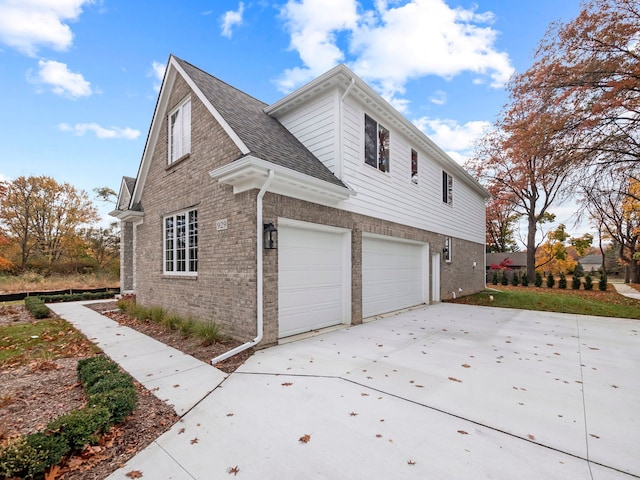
(595, 302)
(35, 282)
(41, 341)
(208, 331)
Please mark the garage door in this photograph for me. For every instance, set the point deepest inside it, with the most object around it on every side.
(394, 274)
(314, 277)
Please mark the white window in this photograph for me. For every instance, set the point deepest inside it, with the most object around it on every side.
(180, 131)
(446, 251)
(376, 144)
(447, 188)
(181, 243)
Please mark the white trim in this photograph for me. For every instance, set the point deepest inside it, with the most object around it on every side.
(187, 272)
(182, 125)
(250, 172)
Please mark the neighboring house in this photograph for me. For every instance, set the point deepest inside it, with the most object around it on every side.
(516, 260)
(591, 263)
(367, 214)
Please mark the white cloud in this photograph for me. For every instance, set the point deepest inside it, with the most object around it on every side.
(231, 19)
(62, 81)
(313, 25)
(455, 139)
(157, 72)
(28, 24)
(439, 97)
(79, 129)
(391, 45)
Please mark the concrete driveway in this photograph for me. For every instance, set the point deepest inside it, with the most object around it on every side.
(441, 392)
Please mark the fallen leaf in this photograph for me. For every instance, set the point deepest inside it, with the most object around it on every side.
(462, 432)
(378, 435)
(353, 414)
(134, 474)
(453, 379)
(233, 470)
(364, 394)
(176, 385)
(287, 384)
(466, 365)
(593, 435)
(411, 462)
(229, 414)
(305, 438)
(52, 474)
(194, 440)
(531, 437)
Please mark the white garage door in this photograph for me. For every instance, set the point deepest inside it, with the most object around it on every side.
(314, 276)
(394, 274)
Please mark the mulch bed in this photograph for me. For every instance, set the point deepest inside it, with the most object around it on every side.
(34, 394)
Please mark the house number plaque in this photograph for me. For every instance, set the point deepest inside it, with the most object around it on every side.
(221, 224)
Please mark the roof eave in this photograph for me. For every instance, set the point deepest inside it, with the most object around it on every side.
(250, 173)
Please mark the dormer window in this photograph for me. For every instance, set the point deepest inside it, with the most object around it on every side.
(376, 144)
(180, 131)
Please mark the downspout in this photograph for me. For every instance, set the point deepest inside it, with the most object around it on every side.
(259, 278)
(340, 125)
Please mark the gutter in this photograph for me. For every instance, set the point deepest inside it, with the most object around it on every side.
(340, 134)
(259, 278)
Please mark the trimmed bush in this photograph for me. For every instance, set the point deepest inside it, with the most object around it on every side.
(505, 279)
(538, 280)
(602, 283)
(588, 282)
(551, 281)
(120, 402)
(562, 282)
(21, 460)
(54, 447)
(36, 307)
(575, 283)
(93, 369)
(74, 297)
(81, 427)
(515, 279)
(494, 278)
(525, 279)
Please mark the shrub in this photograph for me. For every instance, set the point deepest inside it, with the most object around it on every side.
(515, 279)
(562, 281)
(494, 278)
(120, 401)
(578, 271)
(36, 307)
(81, 426)
(157, 314)
(172, 322)
(188, 327)
(54, 447)
(551, 281)
(602, 283)
(588, 282)
(505, 278)
(525, 279)
(21, 460)
(575, 283)
(538, 280)
(73, 297)
(108, 382)
(93, 369)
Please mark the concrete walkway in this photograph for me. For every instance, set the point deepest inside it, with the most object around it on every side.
(176, 378)
(445, 392)
(626, 290)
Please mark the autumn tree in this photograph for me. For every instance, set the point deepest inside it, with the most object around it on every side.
(590, 67)
(553, 255)
(613, 201)
(41, 215)
(501, 219)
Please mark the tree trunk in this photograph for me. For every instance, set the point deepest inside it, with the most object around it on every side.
(531, 249)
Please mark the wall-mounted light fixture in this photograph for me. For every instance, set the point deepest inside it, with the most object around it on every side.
(270, 236)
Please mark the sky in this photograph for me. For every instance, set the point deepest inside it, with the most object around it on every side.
(79, 79)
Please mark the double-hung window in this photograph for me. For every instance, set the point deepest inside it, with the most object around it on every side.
(180, 131)
(447, 188)
(447, 249)
(181, 243)
(376, 144)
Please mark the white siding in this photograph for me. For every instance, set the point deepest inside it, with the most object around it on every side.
(392, 196)
(315, 126)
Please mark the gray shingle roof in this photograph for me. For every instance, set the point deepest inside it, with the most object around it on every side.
(265, 136)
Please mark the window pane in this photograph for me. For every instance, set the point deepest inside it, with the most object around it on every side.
(383, 149)
(168, 247)
(193, 241)
(370, 141)
(181, 243)
(414, 166)
(445, 183)
(173, 136)
(449, 189)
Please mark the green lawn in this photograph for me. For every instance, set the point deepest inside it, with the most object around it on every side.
(41, 341)
(606, 304)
